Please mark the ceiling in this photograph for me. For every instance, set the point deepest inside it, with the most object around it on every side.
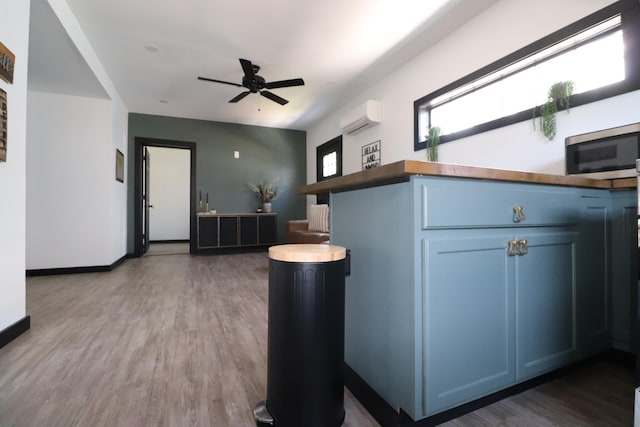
(154, 50)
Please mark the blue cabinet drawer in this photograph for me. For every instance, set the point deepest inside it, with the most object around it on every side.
(480, 204)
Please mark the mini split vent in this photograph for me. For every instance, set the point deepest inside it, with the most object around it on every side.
(361, 118)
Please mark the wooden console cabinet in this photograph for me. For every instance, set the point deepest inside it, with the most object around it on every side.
(236, 231)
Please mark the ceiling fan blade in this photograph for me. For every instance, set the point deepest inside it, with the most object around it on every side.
(219, 81)
(273, 97)
(284, 83)
(240, 96)
(247, 67)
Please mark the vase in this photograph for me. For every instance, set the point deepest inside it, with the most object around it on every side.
(266, 207)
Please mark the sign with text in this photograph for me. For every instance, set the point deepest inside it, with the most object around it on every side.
(7, 60)
(371, 155)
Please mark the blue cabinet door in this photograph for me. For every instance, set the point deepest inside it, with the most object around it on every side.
(468, 318)
(545, 288)
(624, 253)
(593, 283)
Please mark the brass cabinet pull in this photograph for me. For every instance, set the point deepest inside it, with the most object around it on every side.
(517, 247)
(518, 214)
(522, 247)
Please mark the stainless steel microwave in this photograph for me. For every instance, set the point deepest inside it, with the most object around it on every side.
(605, 154)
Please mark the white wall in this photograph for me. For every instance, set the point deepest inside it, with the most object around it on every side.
(14, 34)
(504, 28)
(69, 178)
(116, 193)
(87, 132)
(169, 182)
(118, 190)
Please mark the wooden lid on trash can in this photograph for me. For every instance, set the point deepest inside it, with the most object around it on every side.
(307, 253)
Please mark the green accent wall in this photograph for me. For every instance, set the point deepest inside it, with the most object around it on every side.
(265, 154)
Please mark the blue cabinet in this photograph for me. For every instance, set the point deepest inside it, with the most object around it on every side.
(469, 317)
(491, 318)
(383, 305)
(624, 277)
(593, 275)
(545, 288)
(460, 288)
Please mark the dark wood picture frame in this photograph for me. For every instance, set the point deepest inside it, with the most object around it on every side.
(7, 64)
(3, 126)
(119, 166)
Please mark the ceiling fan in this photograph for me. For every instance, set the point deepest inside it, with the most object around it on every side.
(257, 84)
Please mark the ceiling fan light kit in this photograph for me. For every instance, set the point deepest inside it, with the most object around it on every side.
(257, 84)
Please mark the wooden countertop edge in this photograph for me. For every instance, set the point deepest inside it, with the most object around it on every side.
(624, 183)
(307, 253)
(402, 170)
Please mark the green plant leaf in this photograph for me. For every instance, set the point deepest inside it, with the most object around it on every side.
(433, 140)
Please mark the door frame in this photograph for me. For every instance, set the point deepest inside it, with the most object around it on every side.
(139, 145)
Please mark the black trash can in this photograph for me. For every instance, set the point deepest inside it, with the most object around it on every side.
(305, 377)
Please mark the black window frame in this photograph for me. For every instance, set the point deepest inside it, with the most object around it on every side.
(329, 147)
(629, 10)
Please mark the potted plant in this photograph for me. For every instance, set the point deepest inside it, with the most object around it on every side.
(266, 192)
(558, 96)
(432, 143)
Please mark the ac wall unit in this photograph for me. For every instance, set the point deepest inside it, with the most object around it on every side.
(361, 118)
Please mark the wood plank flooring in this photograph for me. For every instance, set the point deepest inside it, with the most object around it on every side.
(180, 340)
(169, 340)
(167, 249)
(599, 394)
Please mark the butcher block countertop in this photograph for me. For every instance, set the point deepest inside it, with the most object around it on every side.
(402, 170)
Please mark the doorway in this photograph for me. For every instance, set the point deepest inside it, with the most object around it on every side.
(142, 165)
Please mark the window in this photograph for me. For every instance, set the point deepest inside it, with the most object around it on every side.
(329, 159)
(598, 53)
(328, 163)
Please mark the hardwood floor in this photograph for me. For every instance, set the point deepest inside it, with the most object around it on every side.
(599, 394)
(170, 340)
(179, 340)
(167, 249)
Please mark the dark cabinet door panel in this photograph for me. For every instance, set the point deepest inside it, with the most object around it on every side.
(267, 229)
(228, 231)
(208, 232)
(248, 230)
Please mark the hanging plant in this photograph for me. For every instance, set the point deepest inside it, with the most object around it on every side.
(548, 119)
(433, 140)
(560, 92)
(558, 96)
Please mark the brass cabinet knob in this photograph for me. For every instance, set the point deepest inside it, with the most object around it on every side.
(518, 214)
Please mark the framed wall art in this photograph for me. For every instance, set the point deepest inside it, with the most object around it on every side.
(7, 64)
(119, 166)
(3, 126)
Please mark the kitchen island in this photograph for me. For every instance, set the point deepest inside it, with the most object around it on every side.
(467, 281)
